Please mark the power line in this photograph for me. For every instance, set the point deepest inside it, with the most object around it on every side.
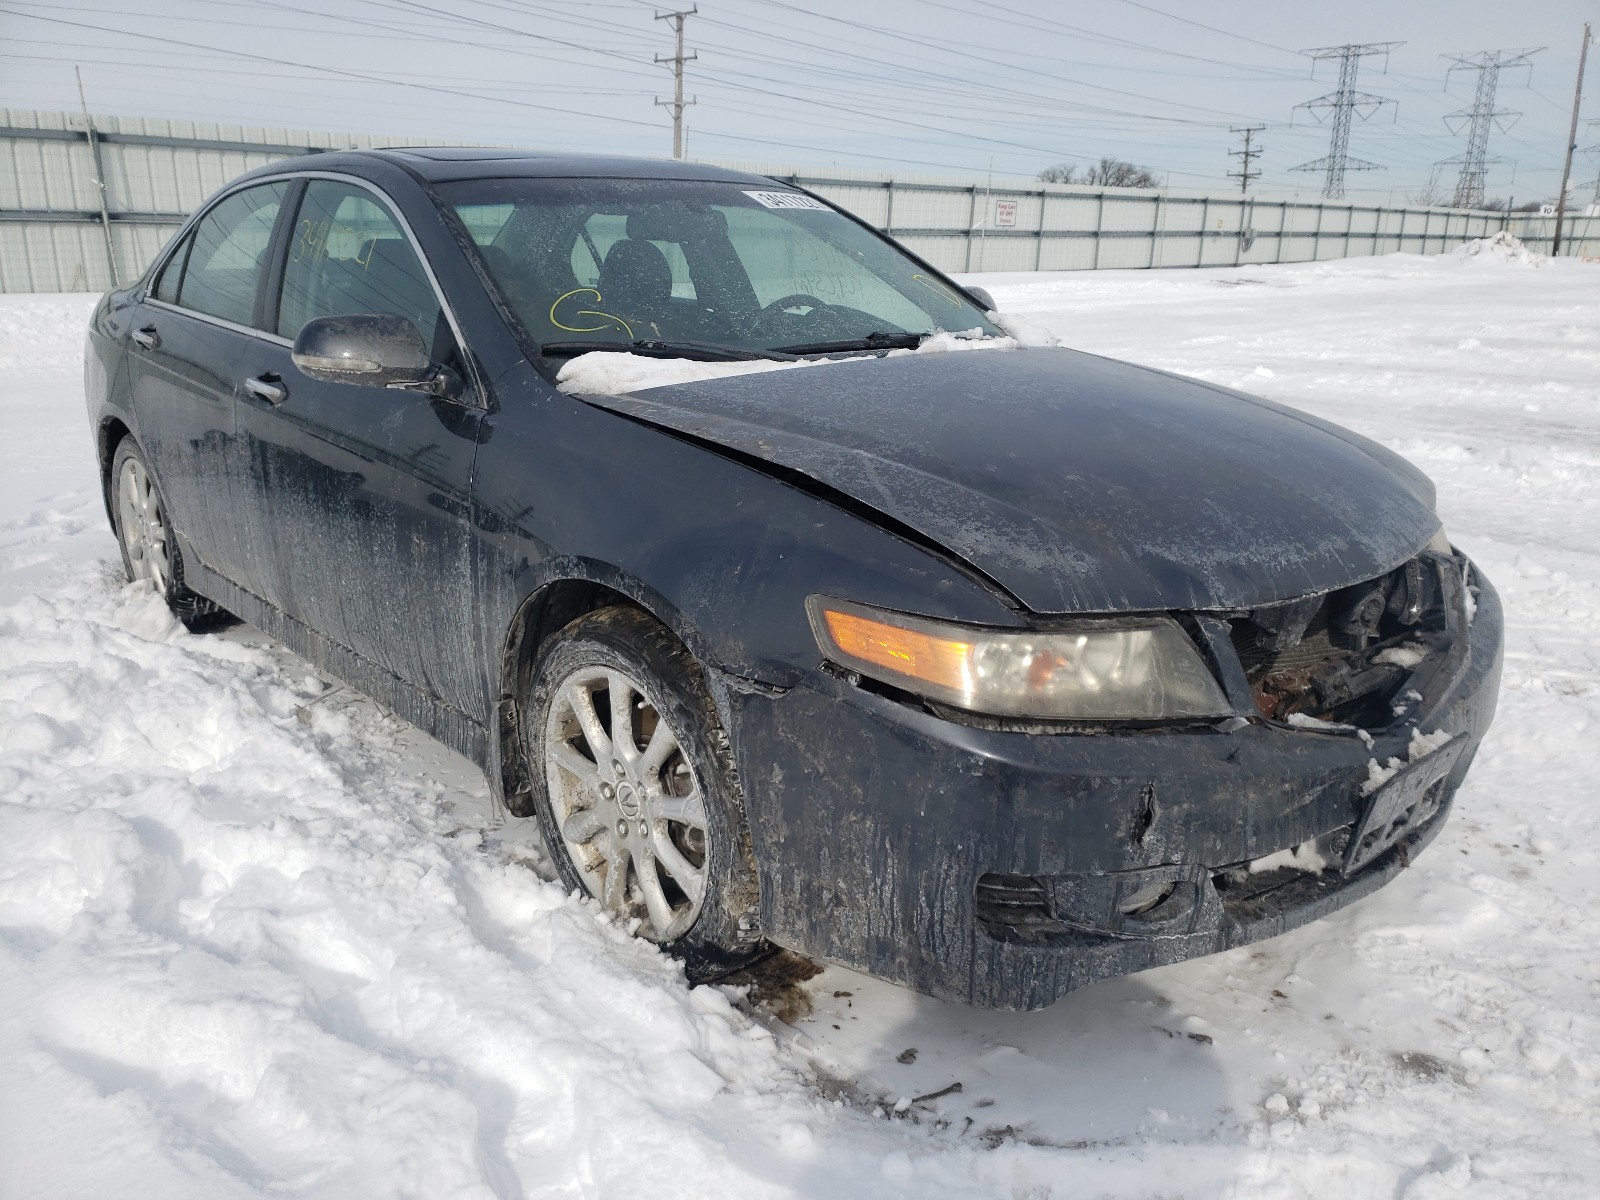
(340, 71)
(1343, 103)
(966, 92)
(967, 52)
(487, 84)
(1474, 160)
(1202, 25)
(765, 86)
(942, 88)
(550, 108)
(880, 113)
(744, 106)
(1126, 43)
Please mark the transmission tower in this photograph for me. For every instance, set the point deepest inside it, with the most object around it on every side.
(1474, 160)
(677, 104)
(1244, 174)
(1338, 107)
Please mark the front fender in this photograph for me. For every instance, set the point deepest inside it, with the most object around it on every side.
(720, 551)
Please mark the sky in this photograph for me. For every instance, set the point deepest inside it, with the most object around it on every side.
(908, 87)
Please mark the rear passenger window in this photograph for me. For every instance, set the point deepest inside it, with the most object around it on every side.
(226, 254)
(348, 254)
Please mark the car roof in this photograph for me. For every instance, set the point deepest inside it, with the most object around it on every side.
(441, 164)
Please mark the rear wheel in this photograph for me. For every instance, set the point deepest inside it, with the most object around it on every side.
(150, 553)
(640, 805)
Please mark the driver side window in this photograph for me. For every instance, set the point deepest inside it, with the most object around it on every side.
(348, 254)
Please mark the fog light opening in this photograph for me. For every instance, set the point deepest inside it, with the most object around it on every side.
(1148, 898)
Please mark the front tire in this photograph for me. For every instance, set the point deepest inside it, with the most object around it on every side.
(636, 792)
(150, 553)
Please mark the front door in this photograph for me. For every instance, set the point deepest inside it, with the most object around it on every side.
(365, 490)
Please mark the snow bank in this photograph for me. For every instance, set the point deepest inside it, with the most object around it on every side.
(43, 333)
(1502, 247)
(225, 904)
(254, 940)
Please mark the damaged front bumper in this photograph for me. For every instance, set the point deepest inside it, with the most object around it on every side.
(1005, 869)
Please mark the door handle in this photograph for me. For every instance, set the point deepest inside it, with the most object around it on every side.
(267, 387)
(147, 337)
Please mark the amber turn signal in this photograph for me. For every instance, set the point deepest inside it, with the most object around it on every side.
(907, 652)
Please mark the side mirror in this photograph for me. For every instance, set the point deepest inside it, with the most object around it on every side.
(371, 350)
(981, 297)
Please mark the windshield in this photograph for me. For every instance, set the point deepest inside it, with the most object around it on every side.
(716, 266)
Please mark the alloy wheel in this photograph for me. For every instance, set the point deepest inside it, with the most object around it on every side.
(142, 525)
(626, 801)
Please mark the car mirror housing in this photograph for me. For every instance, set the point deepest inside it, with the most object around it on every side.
(982, 298)
(372, 349)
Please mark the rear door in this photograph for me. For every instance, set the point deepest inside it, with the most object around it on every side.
(365, 490)
(198, 321)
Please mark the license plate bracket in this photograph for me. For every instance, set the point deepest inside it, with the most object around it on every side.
(1402, 804)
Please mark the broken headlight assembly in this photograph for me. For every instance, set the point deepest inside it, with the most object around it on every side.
(1126, 669)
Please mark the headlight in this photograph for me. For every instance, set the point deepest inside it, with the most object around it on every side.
(1134, 669)
(1440, 544)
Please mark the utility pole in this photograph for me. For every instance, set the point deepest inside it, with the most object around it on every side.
(677, 104)
(1572, 142)
(99, 180)
(1475, 160)
(1244, 174)
(1343, 103)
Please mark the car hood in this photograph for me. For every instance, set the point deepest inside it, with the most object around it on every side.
(1077, 483)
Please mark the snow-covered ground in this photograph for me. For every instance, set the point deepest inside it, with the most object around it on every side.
(258, 938)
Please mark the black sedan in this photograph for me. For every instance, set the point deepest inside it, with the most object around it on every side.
(993, 672)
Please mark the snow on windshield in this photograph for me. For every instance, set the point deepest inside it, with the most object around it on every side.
(611, 373)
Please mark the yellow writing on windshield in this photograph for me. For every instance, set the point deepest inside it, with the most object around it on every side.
(586, 312)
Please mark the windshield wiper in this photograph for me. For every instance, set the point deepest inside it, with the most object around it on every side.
(877, 340)
(659, 348)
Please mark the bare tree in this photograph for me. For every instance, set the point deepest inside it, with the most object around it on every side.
(1119, 172)
(1108, 172)
(1433, 192)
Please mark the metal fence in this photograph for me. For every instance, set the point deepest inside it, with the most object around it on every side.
(979, 227)
(86, 202)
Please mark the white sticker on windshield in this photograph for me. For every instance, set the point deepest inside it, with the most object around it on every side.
(785, 200)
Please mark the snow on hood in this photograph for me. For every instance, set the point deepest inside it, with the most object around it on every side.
(614, 373)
